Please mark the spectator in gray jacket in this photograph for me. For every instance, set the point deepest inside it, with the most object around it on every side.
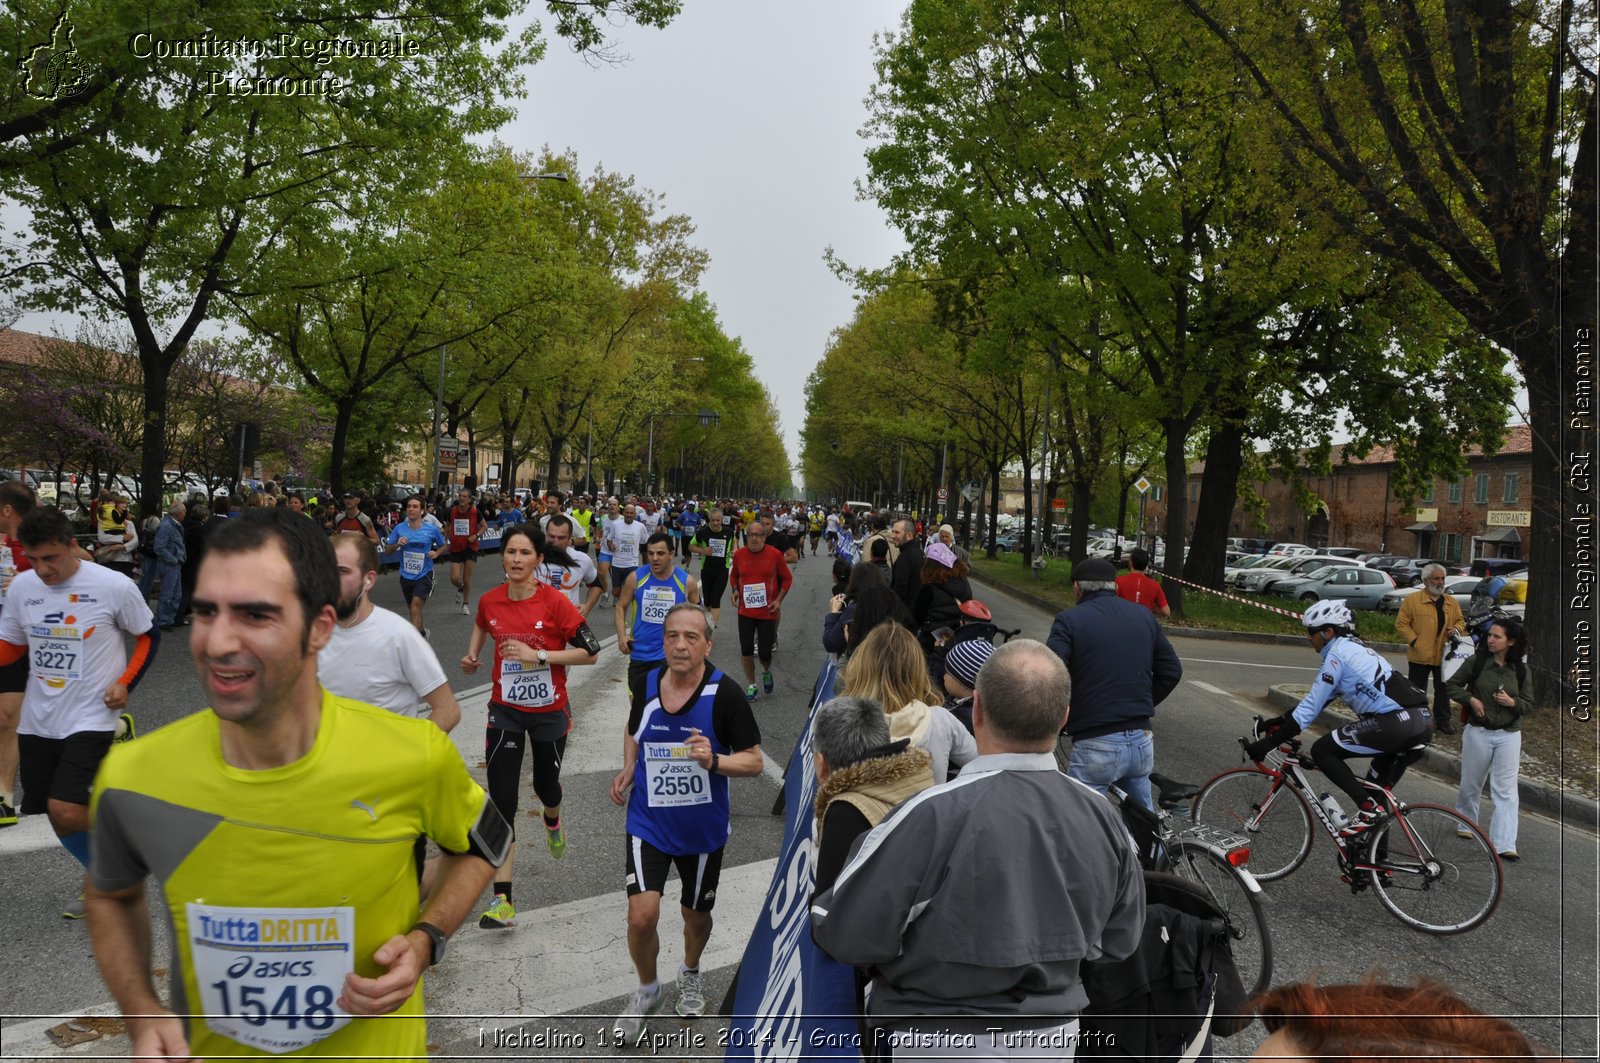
(170, 555)
(975, 902)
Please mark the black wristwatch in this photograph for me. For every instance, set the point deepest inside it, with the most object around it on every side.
(437, 940)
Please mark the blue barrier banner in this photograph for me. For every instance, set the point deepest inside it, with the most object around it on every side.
(488, 542)
(793, 1001)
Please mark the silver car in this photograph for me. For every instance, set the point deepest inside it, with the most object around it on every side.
(1457, 587)
(1359, 586)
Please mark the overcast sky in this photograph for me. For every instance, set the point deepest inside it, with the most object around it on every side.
(746, 115)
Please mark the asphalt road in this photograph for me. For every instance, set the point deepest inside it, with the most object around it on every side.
(1533, 961)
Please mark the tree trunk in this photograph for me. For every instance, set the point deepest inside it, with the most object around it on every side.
(344, 413)
(994, 508)
(1177, 469)
(1078, 540)
(558, 443)
(153, 449)
(1219, 491)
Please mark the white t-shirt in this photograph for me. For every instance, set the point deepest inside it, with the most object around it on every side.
(383, 661)
(650, 520)
(833, 522)
(627, 543)
(75, 649)
(570, 581)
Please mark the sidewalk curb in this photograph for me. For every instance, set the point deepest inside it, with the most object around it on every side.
(1572, 808)
(1177, 630)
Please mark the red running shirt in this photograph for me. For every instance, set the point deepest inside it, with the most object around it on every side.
(757, 579)
(463, 536)
(1140, 589)
(546, 621)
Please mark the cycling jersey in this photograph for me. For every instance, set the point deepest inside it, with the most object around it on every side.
(1351, 671)
(279, 882)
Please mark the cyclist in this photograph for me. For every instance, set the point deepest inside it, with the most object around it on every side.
(1390, 733)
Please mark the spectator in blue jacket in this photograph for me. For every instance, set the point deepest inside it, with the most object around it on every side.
(1122, 667)
(170, 555)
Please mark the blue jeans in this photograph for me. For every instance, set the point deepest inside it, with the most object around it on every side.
(169, 604)
(1124, 760)
(1493, 756)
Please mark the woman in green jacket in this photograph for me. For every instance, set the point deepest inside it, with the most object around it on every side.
(1494, 689)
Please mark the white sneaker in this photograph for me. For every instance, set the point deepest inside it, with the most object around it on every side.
(640, 1007)
(691, 994)
(464, 610)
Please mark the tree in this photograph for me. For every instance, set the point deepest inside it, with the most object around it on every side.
(1458, 141)
(214, 158)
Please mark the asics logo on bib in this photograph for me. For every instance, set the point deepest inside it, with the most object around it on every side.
(270, 968)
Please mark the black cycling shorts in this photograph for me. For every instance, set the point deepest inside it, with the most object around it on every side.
(647, 868)
(713, 584)
(752, 629)
(1384, 732)
(60, 769)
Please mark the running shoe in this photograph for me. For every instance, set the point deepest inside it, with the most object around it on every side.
(74, 909)
(556, 838)
(460, 600)
(640, 1007)
(8, 815)
(125, 728)
(766, 682)
(1462, 832)
(691, 994)
(464, 610)
(750, 692)
(1362, 821)
(501, 915)
(1510, 854)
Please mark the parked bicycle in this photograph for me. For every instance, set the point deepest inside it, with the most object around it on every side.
(1431, 867)
(1212, 859)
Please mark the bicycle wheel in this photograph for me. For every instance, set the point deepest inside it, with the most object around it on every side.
(1429, 875)
(1277, 823)
(1248, 934)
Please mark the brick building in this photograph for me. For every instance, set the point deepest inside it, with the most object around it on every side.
(1487, 513)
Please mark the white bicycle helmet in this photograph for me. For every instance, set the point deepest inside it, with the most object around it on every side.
(1332, 612)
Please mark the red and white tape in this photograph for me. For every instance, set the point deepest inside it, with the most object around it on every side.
(1232, 597)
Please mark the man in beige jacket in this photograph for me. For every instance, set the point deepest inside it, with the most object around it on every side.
(1424, 623)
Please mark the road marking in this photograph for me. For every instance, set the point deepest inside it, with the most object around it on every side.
(1245, 664)
(31, 834)
(1215, 690)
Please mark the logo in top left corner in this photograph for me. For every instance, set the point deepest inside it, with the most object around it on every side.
(54, 70)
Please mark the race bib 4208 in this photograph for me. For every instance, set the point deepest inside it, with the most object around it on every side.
(526, 686)
(268, 977)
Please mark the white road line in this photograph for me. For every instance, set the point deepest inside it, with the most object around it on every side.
(31, 834)
(1215, 690)
(1246, 664)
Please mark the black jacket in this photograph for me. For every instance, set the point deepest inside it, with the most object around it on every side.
(906, 575)
(1121, 663)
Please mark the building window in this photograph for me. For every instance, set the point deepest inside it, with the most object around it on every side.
(1455, 490)
(1483, 489)
(1155, 492)
(1430, 491)
(1510, 494)
(1194, 491)
(1449, 546)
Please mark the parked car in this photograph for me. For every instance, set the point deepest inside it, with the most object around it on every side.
(1343, 551)
(1287, 549)
(1500, 566)
(1234, 571)
(1260, 579)
(1407, 572)
(1252, 545)
(1006, 542)
(1359, 586)
(1457, 587)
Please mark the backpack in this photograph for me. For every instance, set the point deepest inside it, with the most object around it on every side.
(1152, 1004)
(1403, 692)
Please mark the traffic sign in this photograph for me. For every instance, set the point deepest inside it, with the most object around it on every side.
(1058, 504)
(944, 494)
(449, 453)
(1142, 484)
(970, 490)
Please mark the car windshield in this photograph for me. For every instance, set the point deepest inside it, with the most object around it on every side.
(1322, 573)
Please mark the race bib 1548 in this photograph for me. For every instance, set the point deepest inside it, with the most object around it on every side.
(268, 977)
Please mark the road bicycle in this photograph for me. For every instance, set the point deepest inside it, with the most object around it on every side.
(1212, 859)
(1430, 866)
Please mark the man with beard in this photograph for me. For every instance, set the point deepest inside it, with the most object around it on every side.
(375, 655)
